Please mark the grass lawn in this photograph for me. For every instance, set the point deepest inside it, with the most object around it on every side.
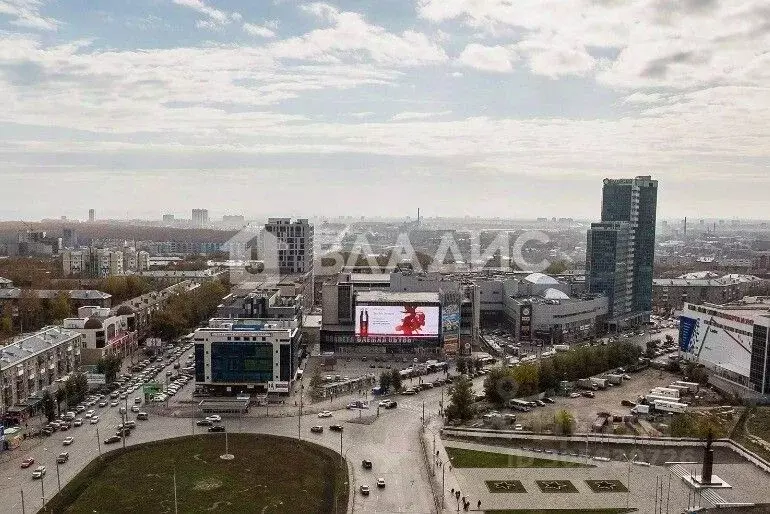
(462, 458)
(269, 474)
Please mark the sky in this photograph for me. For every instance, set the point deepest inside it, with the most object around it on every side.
(376, 107)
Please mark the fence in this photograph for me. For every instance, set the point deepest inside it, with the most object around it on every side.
(429, 469)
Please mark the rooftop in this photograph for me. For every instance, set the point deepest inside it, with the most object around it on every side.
(395, 297)
(705, 279)
(29, 345)
(76, 294)
(540, 279)
(370, 277)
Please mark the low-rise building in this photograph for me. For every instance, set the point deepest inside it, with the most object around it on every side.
(78, 297)
(32, 363)
(669, 294)
(247, 355)
(105, 332)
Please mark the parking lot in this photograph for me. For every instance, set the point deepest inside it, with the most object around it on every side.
(585, 409)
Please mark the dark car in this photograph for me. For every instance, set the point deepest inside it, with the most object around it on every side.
(217, 428)
(204, 423)
(112, 439)
(317, 429)
(391, 405)
(548, 400)
(367, 464)
(336, 428)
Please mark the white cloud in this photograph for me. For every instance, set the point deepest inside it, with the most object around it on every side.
(26, 13)
(215, 16)
(643, 98)
(258, 30)
(411, 116)
(362, 114)
(556, 58)
(487, 58)
(351, 38)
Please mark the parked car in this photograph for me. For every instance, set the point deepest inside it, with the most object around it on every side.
(112, 439)
(325, 414)
(574, 395)
(94, 420)
(367, 464)
(27, 462)
(380, 483)
(588, 394)
(217, 428)
(77, 422)
(364, 490)
(216, 418)
(336, 428)
(318, 429)
(142, 416)
(39, 472)
(134, 408)
(548, 400)
(68, 441)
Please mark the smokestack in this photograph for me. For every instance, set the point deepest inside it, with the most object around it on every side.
(708, 462)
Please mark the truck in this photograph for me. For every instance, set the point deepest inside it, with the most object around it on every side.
(614, 379)
(692, 386)
(641, 409)
(651, 398)
(666, 391)
(520, 405)
(561, 347)
(683, 390)
(587, 383)
(601, 383)
(669, 406)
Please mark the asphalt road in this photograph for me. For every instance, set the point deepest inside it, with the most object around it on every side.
(390, 441)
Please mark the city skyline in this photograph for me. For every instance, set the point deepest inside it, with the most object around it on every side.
(461, 107)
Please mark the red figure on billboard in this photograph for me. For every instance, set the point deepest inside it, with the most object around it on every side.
(412, 322)
(364, 323)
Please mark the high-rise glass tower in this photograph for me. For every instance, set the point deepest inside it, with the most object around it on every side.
(621, 249)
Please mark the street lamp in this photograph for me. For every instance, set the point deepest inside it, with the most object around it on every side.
(628, 480)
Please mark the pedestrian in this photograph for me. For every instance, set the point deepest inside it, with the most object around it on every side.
(478, 505)
(453, 490)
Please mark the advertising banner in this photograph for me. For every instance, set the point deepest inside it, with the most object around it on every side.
(409, 321)
(525, 323)
(686, 331)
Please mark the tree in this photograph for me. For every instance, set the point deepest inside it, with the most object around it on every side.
(316, 387)
(547, 375)
(385, 381)
(60, 397)
(109, 366)
(461, 365)
(461, 402)
(61, 307)
(49, 406)
(30, 310)
(395, 379)
(565, 422)
(500, 386)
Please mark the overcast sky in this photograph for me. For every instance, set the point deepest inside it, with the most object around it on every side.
(481, 107)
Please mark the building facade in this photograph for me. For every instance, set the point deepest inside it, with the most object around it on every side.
(104, 333)
(295, 244)
(632, 202)
(247, 355)
(33, 363)
(731, 341)
(200, 217)
(670, 294)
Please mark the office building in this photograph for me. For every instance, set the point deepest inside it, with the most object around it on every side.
(94, 262)
(31, 364)
(200, 217)
(629, 208)
(91, 215)
(247, 355)
(69, 238)
(295, 244)
(168, 218)
(731, 342)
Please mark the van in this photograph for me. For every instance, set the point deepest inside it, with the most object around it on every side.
(142, 416)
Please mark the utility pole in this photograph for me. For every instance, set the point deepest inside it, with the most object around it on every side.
(58, 480)
(23, 510)
(42, 490)
(176, 503)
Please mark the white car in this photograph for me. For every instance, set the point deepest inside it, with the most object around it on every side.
(325, 414)
(215, 418)
(94, 420)
(89, 413)
(114, 403)
(68, 441)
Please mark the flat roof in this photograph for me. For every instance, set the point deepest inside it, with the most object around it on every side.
(29, 345)
(396, 297)
(76, 294)
(370, 277)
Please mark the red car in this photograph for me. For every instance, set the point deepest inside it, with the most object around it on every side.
(27, 462)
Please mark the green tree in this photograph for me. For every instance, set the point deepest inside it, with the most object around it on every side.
(30, 310)
(461, 401)
(49, 406)
(385, 381)
(395, 379)
(109, 366)
(564, 422)
(316, 387)
(461, 365)
(547, 377)
(61, 307)
(500, 386)
(60, 397)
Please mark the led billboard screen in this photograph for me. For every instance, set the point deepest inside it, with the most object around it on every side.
(397, 320)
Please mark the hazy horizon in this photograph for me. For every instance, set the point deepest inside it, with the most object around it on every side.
(347, 107)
